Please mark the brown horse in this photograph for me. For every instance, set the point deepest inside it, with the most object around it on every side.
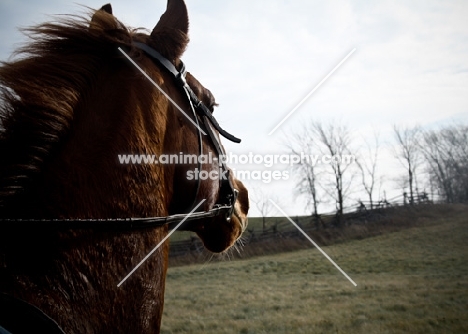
(70, 104)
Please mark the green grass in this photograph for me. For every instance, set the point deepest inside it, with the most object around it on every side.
(411, 281)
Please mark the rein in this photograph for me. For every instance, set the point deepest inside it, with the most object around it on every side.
(18, 316)
(117, 223)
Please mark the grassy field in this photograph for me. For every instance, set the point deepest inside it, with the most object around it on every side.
(411, 281)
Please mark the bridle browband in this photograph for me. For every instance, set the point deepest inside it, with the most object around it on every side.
(227, 191)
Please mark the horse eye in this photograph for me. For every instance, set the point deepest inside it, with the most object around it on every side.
(212, 106)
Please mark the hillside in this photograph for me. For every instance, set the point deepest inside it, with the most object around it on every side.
(414, 280)
(280, 235)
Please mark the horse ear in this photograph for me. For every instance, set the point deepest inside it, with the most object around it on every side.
(171, 33)
(101, 17)
(107, 8)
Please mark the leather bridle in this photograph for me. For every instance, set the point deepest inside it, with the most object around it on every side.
(227, 193)
(200, 111)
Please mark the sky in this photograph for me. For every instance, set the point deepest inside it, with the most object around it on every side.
(261, 58)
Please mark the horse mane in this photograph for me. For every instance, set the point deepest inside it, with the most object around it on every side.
(40, 91)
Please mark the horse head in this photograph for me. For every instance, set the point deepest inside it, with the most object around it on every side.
(170, 38)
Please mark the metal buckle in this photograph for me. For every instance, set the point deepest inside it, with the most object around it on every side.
(233, 203)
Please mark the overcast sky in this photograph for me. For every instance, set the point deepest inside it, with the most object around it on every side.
(261, 58)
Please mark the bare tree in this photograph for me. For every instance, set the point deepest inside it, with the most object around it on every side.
(368, 167)
(334, 142)
(308, 185)
(261, 200)
(302, 144)
(446, 156)
(407, 151)
(326, 164)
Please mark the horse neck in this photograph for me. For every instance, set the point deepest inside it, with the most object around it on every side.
(71, 275)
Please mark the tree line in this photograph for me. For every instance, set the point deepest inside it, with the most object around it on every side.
(436, 158)
(433, 163)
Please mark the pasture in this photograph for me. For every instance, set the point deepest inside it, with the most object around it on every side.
(413, 280)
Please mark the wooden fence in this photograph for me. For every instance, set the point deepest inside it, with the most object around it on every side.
(281, 228)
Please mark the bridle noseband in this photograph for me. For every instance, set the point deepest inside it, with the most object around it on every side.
(227, 194)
